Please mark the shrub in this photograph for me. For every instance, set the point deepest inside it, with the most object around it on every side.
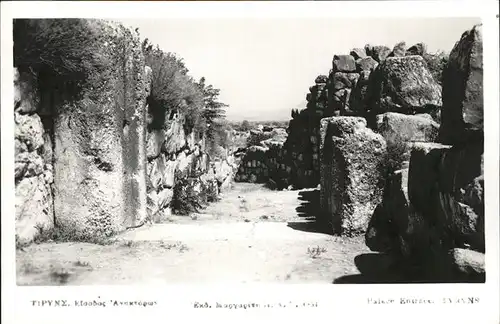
(67, 234)
(244, 126)
(185, 200)
(20, 244)
(316, 252)
(61, 53)
(396, 153)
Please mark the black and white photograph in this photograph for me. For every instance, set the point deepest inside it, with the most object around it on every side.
(287, 150)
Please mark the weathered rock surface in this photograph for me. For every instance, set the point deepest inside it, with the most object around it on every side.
(225, 171)
(342, 80)
(29, 131)
(100, 144)
(462, 113)
(366, 64)
(175, 138)
(435, 218)
(405, 85)
(417, 49)
(33, 171)
(321, 79)
(34, 206)
(155, 140)
(398, 50)
(344, 63)
(438, 180)
(467, 263)
(350, 179)
(358, 100)
(358, 53)
(379, 53)
(409, 128)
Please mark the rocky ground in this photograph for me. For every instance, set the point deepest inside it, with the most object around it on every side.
(251, 235)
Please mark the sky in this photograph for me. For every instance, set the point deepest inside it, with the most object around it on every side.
(264, 67)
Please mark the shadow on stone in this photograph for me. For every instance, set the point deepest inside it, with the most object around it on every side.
(309, 210)
(375, 268)
(379, 268)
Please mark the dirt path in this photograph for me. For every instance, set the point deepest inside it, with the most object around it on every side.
(251, 235)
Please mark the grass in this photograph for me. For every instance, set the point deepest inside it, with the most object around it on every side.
(60, 275)
(82, 264)
(316, 252)
(127, 244)
(177, 245)
(396, 153)
(29, 268)
(21, 244)
(57, 234)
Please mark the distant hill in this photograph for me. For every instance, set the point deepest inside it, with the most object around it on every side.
(283, 114)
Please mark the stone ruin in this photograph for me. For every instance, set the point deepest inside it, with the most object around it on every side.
(93, 167)
(369, 82)
(89, 181)
(264, 162)
(90, 164)
(375, 101)
(432, 213)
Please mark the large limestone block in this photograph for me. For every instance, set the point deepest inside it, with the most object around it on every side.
(351, 183)
(175, 138)
(466, 263)
(462, 113)
(446, 187)
(404, 85)
(155, 140)
(29, 130)
(358, 100)
(342, 80)
(161, 172)
(34, 206)
(159, 201)
(378, 52)
(28, 165)
(409, 128)
(417, 49)
(358, 53)
(100, 137)
(366, 64)
(344, 63)
(399, 49)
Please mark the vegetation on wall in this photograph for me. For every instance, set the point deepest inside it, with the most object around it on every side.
(66, 54)
(175, 92)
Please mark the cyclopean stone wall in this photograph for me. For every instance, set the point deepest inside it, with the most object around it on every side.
(351, 178)
(33, 174)
(86, 159)
(368, 82)
(99, 142)
(432, 214)
(174, 155)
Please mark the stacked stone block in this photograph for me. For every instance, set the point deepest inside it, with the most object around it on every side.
(33, 172)
(432, 214)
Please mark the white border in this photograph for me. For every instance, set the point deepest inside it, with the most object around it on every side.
(337, 303)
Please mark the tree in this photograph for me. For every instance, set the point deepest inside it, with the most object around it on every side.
(245, 126)
(172, 89)
(214, 116)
